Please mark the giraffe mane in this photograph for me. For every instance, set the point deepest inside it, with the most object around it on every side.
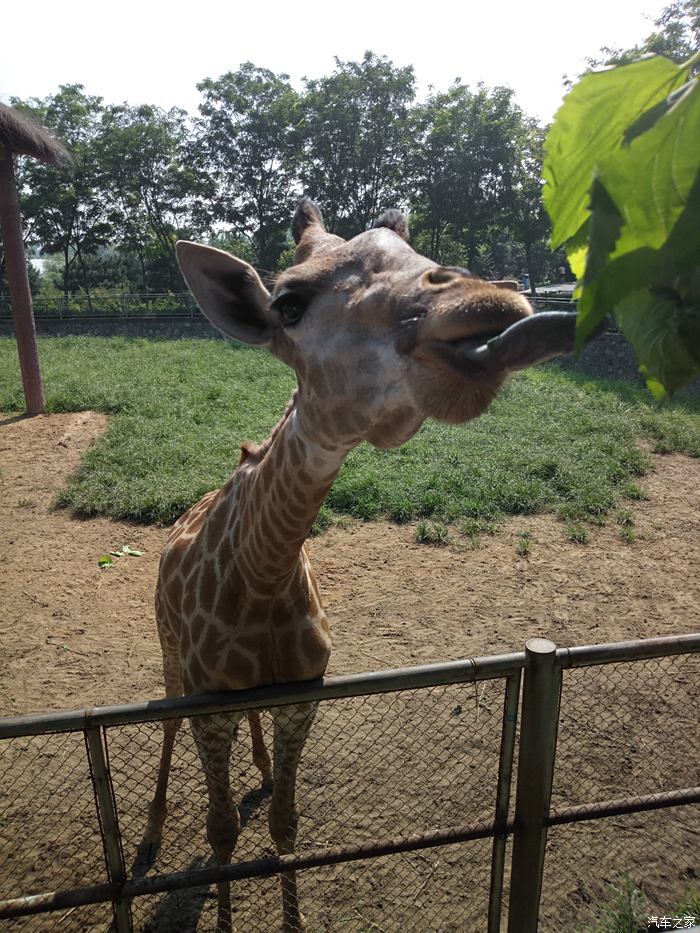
(258, 451)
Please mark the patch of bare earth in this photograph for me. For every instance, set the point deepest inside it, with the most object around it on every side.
(73, 635)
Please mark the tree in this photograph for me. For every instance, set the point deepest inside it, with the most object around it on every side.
(433, 166)
(21, 136)
(524, 213)
(355, 141)
(677, 36)
(248, 145)
(152, 182)
(466, 179)
(68, 204)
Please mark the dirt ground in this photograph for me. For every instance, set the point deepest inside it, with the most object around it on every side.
(74, 635)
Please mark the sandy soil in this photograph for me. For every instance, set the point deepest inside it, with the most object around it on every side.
(73, 635)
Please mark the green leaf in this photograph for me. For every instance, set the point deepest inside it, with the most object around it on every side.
(603, 232)
(105, 561)
(577, 250)
(590, 124)
(651, 116)
(130, 552)
(637, 243)
(654, 325)
(651, 180)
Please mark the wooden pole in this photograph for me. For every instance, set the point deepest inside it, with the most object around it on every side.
(18, 285)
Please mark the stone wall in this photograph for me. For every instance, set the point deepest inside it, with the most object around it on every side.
(611, 357)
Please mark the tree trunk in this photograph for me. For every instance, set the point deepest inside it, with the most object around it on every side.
(66, 266)
(142, 264)
(18, 285)
(83, 273)
(530, 269)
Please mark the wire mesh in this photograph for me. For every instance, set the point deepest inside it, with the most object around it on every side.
(373, 767)
(49, 834)
(376, 766)
(625, 729)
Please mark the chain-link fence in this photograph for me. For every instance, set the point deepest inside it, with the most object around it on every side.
(638, 724)
(368, 774)
(404, 795)
(106, 303)
(49, 836)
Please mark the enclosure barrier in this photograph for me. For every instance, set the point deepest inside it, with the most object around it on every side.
(427, 738)
(174, 305)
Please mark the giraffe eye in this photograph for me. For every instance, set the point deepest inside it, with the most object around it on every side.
(290, 306)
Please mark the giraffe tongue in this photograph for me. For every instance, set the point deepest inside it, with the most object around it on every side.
(534, 339)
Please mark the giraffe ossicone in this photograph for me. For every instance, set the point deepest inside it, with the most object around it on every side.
(380, 338)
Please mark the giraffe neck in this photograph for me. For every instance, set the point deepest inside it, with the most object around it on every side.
(281, 487)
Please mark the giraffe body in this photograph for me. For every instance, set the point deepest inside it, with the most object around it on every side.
(380, 338)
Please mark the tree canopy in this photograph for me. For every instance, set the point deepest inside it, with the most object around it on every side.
(464, 163)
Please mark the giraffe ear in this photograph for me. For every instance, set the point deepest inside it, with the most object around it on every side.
(307, 214)
(228, 291)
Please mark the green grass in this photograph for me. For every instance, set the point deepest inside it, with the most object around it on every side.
(627, 909)
(433, 533)
(577, 533)
(551, 441)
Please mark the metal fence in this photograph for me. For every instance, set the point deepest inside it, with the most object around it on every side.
(109, 305)
(404, 792)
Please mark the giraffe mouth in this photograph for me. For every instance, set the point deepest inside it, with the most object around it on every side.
(475, 341)
(531, 340)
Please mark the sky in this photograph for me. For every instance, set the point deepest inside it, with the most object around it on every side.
(155, 52)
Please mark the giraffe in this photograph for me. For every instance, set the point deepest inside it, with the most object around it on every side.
(380, 339)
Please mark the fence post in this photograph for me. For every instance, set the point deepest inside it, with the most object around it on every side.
(505, 773)
(107, 812)
(536, 753)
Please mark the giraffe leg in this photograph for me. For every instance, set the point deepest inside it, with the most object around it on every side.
(214, 736)
(292, 724)
(261, 756)
(158, 808)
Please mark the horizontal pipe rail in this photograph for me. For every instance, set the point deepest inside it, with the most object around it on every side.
(559, 816)
(273, 865)
(328, 688)
(253, 868)
(638, 650)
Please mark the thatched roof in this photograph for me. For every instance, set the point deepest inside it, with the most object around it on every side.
(21, 134)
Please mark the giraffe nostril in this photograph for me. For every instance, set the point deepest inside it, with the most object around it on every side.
(443, 275)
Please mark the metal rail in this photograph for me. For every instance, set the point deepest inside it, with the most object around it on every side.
(327, 688)
(542, 664)
(466, 670)
(275, 864)
(253, 868)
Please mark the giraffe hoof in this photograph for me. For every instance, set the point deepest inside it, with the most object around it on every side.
(294, 926)
(267, 781)
(151, 840)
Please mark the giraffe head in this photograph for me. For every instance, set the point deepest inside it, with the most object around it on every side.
(380, 337)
